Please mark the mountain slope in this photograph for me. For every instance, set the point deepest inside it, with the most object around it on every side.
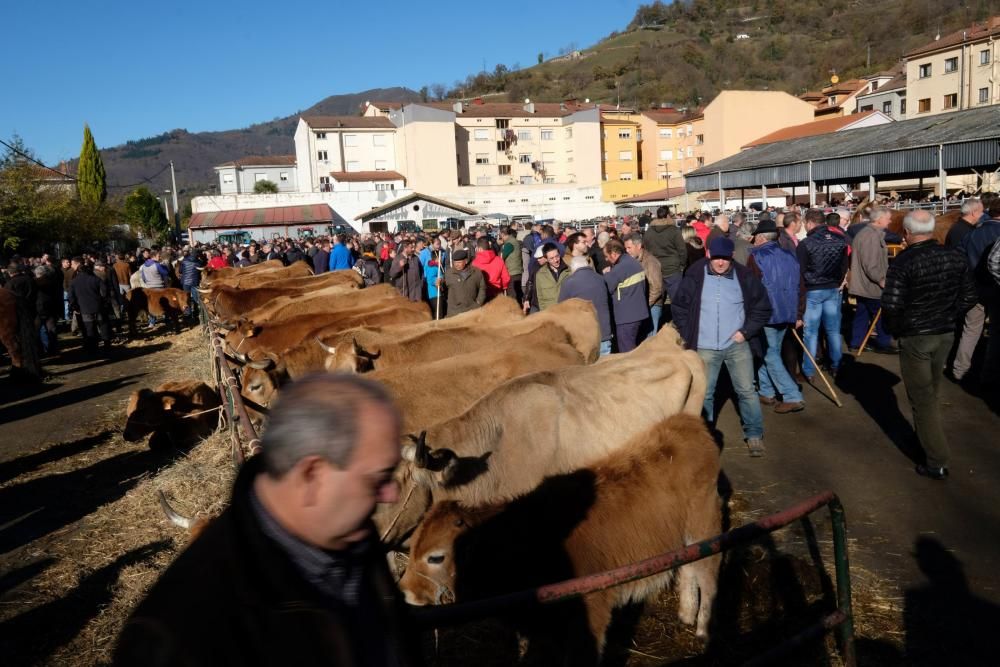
(194, 154)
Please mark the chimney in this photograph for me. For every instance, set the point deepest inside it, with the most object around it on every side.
(457, 107)
(478, 101)
(586, 100)
(529, 106)
(562, 106)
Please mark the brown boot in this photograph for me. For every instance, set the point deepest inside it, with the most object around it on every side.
(784, 408)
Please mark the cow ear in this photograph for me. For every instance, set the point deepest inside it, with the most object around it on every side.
(256, 330)
(168, 403)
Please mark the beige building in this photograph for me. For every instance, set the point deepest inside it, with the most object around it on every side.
(958, 71)
(329, 145)
(737, 117)
(673, 144)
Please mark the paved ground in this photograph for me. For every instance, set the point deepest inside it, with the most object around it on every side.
(935, 543)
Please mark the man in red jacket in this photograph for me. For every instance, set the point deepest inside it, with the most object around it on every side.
(493, 268)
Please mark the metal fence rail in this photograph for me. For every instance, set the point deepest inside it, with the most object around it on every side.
(841, 621)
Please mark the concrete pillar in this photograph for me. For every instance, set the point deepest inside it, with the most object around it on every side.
(763, 197)
(812, 187)
(871, 187)
(722, 194)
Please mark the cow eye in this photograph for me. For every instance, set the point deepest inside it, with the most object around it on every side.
(255, 387)
(435, 559)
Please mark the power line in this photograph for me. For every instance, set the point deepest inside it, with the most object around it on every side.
(24, 155)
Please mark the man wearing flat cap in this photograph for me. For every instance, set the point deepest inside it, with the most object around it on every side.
(464, 284)
(720, 310)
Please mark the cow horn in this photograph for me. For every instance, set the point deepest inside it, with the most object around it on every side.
(175, 518)
(203, 291)
(227, 326)
(265, 365)
(419, 451)
(326, 348)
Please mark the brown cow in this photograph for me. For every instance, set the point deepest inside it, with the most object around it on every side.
(175, 413)
(8, 326)
(654, 495)
(217, 276)
(248, 278)
(228, 302)
(326, 300)
(942, 223)
(168, 302)
(484, 455)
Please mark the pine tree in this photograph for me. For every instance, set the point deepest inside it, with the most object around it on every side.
(91, 179)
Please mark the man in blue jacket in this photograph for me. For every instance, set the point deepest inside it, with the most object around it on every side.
(778, 269)
(720, 310)
(626, 282)
(584, 283)
(340, 255)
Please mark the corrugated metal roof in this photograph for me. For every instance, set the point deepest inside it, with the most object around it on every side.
(970, 140)
(258, 217)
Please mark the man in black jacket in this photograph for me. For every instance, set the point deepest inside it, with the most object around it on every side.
(292, 572)
(88, 295)
(664, 241)
(927, 289)
(823, 261)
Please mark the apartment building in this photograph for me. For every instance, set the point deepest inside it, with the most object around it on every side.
(888, 97)
(958, 71)
(240, 176)
(328, 146)
(621, 155)
(837, 99)
(673, 144)
(737, 117)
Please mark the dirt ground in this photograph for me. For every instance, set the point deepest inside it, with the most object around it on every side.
(81, 536)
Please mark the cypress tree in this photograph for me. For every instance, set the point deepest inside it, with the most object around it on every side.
(91, 181)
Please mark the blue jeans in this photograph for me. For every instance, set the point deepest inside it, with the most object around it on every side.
(822, 308)
(605, 348)
(66, 305)
(773, 377)
(655, 312)
(739, 362)
(863, 316)
(194, 301)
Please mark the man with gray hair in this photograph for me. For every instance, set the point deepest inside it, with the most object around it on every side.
(927, 288)
(975, 319)
(292, 571)
(584, 283)
(869, 262)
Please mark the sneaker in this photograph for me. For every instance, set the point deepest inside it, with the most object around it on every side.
(767, 400)
(933, 473)
(756, 446)
(784, 408)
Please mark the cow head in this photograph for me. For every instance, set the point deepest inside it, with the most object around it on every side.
(431, 571)
(262, 379)
(442, 466)
(349, 359)
(148, 411)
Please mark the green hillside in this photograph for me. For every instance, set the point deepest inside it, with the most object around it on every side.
(686, 52)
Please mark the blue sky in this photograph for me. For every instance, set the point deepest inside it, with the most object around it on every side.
(132, 70)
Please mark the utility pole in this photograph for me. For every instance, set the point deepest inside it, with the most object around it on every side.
(173, 190)
(868, 64)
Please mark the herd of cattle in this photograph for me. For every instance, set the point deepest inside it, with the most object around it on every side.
(518, 439)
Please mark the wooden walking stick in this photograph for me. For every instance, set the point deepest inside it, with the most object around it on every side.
(861, 348)
(818, 369)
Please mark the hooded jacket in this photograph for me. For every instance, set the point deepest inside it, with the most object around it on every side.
(494, 270)
(664, 241)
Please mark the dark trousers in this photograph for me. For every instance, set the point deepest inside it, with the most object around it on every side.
(863, 316)
(670, 285)
(921, 363)
(515, 290)
(628, 335)
(95, 325)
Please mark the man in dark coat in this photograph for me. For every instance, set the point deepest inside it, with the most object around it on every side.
(720, 310)
(321, 260)
(26, 294)
(191, 268)
(584, 283)
(292, 572)
(626, 282)
(464, 284)
(927, 289)
(88, 295)
(665, 242)
(49, 306)
(405, 272)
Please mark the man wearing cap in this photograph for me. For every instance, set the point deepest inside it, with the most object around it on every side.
(464, 284)
(778, 269)
(720, 310)
(626, 282)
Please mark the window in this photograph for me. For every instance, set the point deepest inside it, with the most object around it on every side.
(526, 180)
(950, 65)
(378, 140)
(690, 130)
(547, 134)
(925, 70)
(666, 133)
(321, 135)
(887, 108)
(321, 156)
(625, 155)
(381, 165)
(666, 154)
(550, 179)
(227, 178)
(625, 176)
(385, 186)
(663, 175)
(548, 158)
(699, 139)
(503, 169)
(353, 165)
(524, 158)
(701, 162)
(984, 57)
(324, 180)
(924, 105)
(482, 158)
(503, 123)
(350, 140)
(524, 201)
(481, 134)
(902, 107)
(984, 95)
(624, 133)
(866, 107)
(483, 180)
(690, 151)
(524, 135)
(951, 101)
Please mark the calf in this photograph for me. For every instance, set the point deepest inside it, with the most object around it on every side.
(168, 302)
(655, 494)
(175, 413)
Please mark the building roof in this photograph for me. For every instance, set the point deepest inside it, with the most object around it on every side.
(672, 116)
(898, 82)
(962, 140)
(976, 32)
(261, 161)
(385, 105)
(263, 217)
(842, 88)
(655, 195)
(810, 129)
(352, 122)
(363, 176)
(513, 109)
(610, 119)
(405, 201)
